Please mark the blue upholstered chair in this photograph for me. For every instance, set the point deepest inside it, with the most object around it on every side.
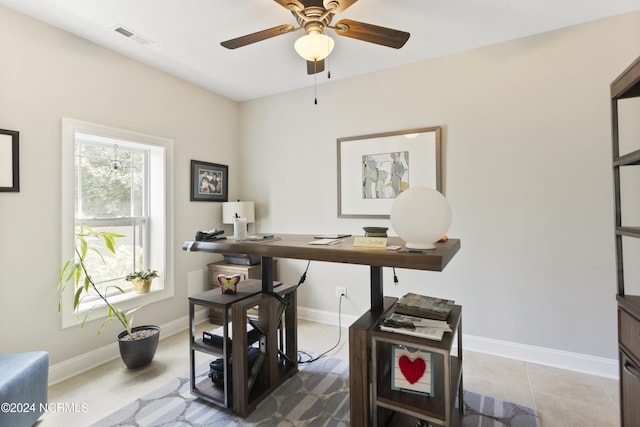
(24, 380)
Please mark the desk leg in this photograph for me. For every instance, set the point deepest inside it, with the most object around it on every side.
(267, 274)
(377, 289)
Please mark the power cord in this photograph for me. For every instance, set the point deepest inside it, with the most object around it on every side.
(313, 359)
(304, 275)
(395, 278)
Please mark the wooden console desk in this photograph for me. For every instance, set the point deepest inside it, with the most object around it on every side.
(296, 246)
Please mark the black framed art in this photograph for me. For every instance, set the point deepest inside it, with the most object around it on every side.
(209, 182)
(9, 161)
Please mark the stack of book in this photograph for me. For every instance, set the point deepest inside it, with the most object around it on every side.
(424, 306)
(419, 315)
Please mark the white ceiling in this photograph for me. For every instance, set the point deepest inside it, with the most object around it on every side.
(186, 34)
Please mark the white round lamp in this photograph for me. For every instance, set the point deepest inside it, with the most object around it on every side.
(421, 216)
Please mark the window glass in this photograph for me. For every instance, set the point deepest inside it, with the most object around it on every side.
(111, 180)
(115, 180)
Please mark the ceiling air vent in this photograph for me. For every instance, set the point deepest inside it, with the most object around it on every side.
(131, 34)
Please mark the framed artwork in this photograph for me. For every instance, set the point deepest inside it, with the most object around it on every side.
(209, 182)
(374, 169)
(412, 370)
(9, 161)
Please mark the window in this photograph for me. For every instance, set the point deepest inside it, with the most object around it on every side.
(117, 180)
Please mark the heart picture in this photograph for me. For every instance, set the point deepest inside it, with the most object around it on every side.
(412, 370)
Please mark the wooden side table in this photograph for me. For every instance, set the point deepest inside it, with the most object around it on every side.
(241, 397)
(396, 407)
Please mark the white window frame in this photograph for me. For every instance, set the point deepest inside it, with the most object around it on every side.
(160, 213)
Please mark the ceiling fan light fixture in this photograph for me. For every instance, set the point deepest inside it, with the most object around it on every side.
(314, 46)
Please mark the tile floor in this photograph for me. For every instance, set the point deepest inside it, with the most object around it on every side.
(562, 398)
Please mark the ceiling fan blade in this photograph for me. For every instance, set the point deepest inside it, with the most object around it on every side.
(256, 37)
(286, 3)
(342, 4)
(314, 67)
(372, 33)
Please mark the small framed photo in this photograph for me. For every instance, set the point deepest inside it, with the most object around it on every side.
(9, 161)
(209, 182)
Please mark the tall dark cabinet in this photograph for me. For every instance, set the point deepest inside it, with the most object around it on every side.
(625, 116)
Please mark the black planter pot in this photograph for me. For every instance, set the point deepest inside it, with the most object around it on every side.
(138, 353)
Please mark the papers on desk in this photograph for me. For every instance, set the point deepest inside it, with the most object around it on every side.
(258, 238)
(324, 241)
(331, 236)
(416, 326)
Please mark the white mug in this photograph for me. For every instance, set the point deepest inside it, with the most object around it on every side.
(239, 228)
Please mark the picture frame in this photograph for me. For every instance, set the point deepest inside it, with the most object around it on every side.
(209, 182)
(9, 161)
(374, 169)
(422, 382)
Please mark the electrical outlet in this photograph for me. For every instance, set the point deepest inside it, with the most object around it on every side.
(341, 290)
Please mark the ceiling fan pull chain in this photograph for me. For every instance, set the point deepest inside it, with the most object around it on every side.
(315, 92)
(315, 82)
(328, 63)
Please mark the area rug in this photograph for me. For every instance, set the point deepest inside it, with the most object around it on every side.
(317, 396)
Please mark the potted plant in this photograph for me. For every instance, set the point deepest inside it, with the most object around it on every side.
(137, 344)
(142, 280)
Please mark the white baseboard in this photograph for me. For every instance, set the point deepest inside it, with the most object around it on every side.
(577, 362)
(84, 362)
(326, 317)
(527, 353)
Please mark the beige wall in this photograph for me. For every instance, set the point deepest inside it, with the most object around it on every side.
(527, 172)
(47, 74)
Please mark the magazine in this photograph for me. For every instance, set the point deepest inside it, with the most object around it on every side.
(415, 326)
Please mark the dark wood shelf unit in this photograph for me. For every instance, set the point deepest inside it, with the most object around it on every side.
(630, 303)
(628, 231)
(629, 159)
(236, 394)
(447, 377)
(627, 85)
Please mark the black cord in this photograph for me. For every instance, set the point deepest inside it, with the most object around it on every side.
(395, 278)
(300, 352)
(304, 275)
(300, 282)
(312, 359)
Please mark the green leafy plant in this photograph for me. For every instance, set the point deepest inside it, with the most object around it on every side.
(144, 275)
(76, 271)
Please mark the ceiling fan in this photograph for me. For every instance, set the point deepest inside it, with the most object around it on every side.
(314, 16)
